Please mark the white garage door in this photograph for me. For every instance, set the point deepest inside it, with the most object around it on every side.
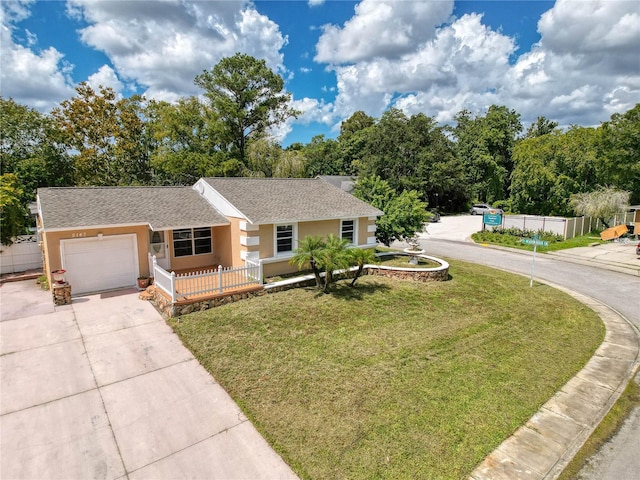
(95, 264)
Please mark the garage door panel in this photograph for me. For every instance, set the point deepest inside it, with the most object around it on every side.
(100, 264)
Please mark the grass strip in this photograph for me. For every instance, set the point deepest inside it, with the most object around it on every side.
(610, 425)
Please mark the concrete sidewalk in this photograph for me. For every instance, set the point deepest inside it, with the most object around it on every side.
(616, 256)
(543, 447)
(104, 389)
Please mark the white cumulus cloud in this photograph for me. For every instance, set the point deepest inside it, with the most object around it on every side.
(584, 68)
(381, 29)
(38, 78)
(162, 46)
(106, 77)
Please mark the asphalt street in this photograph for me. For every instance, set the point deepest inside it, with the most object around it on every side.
(619, 459)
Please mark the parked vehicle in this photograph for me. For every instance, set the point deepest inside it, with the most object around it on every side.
(482, 208)
(435, 215)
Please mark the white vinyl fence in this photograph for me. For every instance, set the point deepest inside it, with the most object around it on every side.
(535, 223)
(567, 227)
(24, 254)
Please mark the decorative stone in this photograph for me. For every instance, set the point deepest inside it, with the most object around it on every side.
(61, 294)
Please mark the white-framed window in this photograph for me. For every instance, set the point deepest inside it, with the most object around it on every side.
(285, 236)
(348, 230)
(192, 241)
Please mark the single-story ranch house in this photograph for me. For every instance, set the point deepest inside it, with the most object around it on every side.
(106, 237)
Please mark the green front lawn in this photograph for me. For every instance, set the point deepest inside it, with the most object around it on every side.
(394, 379)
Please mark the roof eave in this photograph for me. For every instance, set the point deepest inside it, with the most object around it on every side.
(316, 219)
(194, 225)
(94, 227)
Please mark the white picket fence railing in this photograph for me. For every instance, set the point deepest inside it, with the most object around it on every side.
(215, 281)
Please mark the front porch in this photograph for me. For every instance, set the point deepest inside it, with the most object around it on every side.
(186, 286)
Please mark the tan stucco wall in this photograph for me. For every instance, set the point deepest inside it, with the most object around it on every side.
(234, 248)
(220, 240)
(363, 226)
(266, 241)
(278, 268)
(51, 243)
(321, 229)
(221, 247)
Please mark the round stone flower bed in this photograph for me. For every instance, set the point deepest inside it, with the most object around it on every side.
(439, 271)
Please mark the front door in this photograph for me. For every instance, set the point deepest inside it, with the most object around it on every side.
(159, 247)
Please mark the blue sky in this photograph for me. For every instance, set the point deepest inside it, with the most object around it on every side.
(573, 61)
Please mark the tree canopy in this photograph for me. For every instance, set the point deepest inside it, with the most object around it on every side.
(247, 97)
(99, 138)
(603, 203)
(13, 212)
(405, 214)
(108, 134)
(31, 147)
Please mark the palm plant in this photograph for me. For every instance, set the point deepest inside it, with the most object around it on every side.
(307, 254)
(360, 258)
(335, 256)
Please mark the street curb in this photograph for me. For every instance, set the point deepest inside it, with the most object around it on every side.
(541, 449)
(563, 257)
(614, 267)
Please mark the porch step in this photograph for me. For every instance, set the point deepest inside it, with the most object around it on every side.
(148, 293)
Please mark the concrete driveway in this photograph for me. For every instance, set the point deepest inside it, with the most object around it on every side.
(104, 389)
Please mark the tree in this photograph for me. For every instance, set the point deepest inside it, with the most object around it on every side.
(540, 127)
(263, 157)
(356, 122)
(267, 159)
(30, 147)
(334, 256)
(402, 219)
(411, 154)
(405, 214)
(186, 145)
(618, 147)
(322, 157)
(320, 255)
(247, 97)
(108, 134)
(13, 214)
(291, 164)
(548, 169)
(603, 203)
(485, 146)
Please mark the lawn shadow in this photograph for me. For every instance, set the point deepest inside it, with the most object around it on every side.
(343, 289)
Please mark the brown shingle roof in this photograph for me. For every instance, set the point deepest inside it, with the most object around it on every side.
(276, 200)
(161, 207)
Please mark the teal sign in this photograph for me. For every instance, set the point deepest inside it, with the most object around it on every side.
(492, 219)
(535, 241)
